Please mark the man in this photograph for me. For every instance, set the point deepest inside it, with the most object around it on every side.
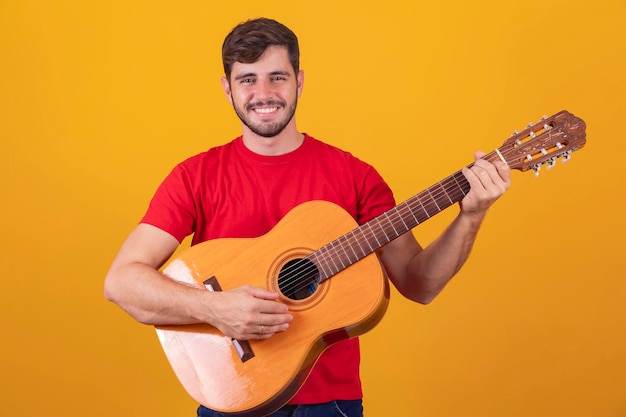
(243, 188)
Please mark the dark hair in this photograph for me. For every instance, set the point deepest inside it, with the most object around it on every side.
(248, 40)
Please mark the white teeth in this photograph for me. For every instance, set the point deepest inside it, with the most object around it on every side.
(270, 110)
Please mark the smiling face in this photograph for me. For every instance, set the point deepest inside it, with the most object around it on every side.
(265, 93)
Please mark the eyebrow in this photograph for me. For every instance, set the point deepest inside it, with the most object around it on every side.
(246, 75)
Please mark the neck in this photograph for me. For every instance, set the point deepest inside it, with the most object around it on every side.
(286, 141)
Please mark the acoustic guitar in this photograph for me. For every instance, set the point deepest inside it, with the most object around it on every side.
(314, 242)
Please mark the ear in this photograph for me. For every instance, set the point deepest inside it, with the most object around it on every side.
(300, 79)
(226, 88)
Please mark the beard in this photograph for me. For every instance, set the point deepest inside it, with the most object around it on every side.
(266, 129)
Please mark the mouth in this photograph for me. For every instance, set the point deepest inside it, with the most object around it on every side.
(265, 110)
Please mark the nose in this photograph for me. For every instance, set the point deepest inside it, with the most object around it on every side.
(264, 89)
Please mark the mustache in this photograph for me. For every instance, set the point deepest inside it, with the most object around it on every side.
(268, 103)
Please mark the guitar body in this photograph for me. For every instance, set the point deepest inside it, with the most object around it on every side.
(207, 362)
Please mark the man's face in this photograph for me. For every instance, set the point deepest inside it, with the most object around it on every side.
(265, 93)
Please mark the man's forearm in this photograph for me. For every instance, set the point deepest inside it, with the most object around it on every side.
(432, 268)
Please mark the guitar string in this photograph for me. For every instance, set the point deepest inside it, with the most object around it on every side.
(396, 213)
(299, 273)
(299, 277)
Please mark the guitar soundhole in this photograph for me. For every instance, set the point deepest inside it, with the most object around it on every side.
(298, 279)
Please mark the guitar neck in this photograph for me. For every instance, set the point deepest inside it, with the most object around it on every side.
(373, 235)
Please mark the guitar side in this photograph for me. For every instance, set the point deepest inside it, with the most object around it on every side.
(207, 363)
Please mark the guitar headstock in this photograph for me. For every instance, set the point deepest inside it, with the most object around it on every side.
(545, 141)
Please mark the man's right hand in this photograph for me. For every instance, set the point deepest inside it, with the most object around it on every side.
(247, 312)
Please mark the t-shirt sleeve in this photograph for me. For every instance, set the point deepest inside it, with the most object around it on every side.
(375, 196)
(172, 207)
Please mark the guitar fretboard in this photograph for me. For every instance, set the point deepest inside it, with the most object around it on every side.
(373, 235)
(344, 251)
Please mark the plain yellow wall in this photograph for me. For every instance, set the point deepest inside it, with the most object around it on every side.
(98, 101)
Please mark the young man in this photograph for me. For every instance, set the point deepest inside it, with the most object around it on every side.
(243, 188)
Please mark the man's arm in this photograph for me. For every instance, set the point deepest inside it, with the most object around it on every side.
(421, 273)
(137, 286)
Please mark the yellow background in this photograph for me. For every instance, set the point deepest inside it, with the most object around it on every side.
(98, 101)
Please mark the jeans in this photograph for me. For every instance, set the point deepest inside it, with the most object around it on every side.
(339, 408)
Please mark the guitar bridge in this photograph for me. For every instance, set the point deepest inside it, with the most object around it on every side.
(242, 347)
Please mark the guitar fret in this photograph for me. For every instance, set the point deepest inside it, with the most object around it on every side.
(346, 256)
(403, 214)
(409, 205)
(364, 240)
(433, 199)
(417, 221)
(336, 257)
(419, 200)
(461, 187)
(405, 226)
(447, 195)
(320, 260)
(330, 261)
(437, 195)
(358, 242)
(351, 246)
(399, 227)
(379, 229)
(389, 222)
(368, 224)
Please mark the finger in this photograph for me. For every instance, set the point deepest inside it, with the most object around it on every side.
(272, 308)
(477, 176)
(261, 293)
(272, 329)
(479, 155)
(266, 331)
(277, 322)
(496, 173)
(267, 300)
(503, 170)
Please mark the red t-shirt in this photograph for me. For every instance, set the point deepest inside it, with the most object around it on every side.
(229, 191)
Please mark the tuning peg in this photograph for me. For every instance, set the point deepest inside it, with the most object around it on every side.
(537, 168)
(551, 162)
(567, 156)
